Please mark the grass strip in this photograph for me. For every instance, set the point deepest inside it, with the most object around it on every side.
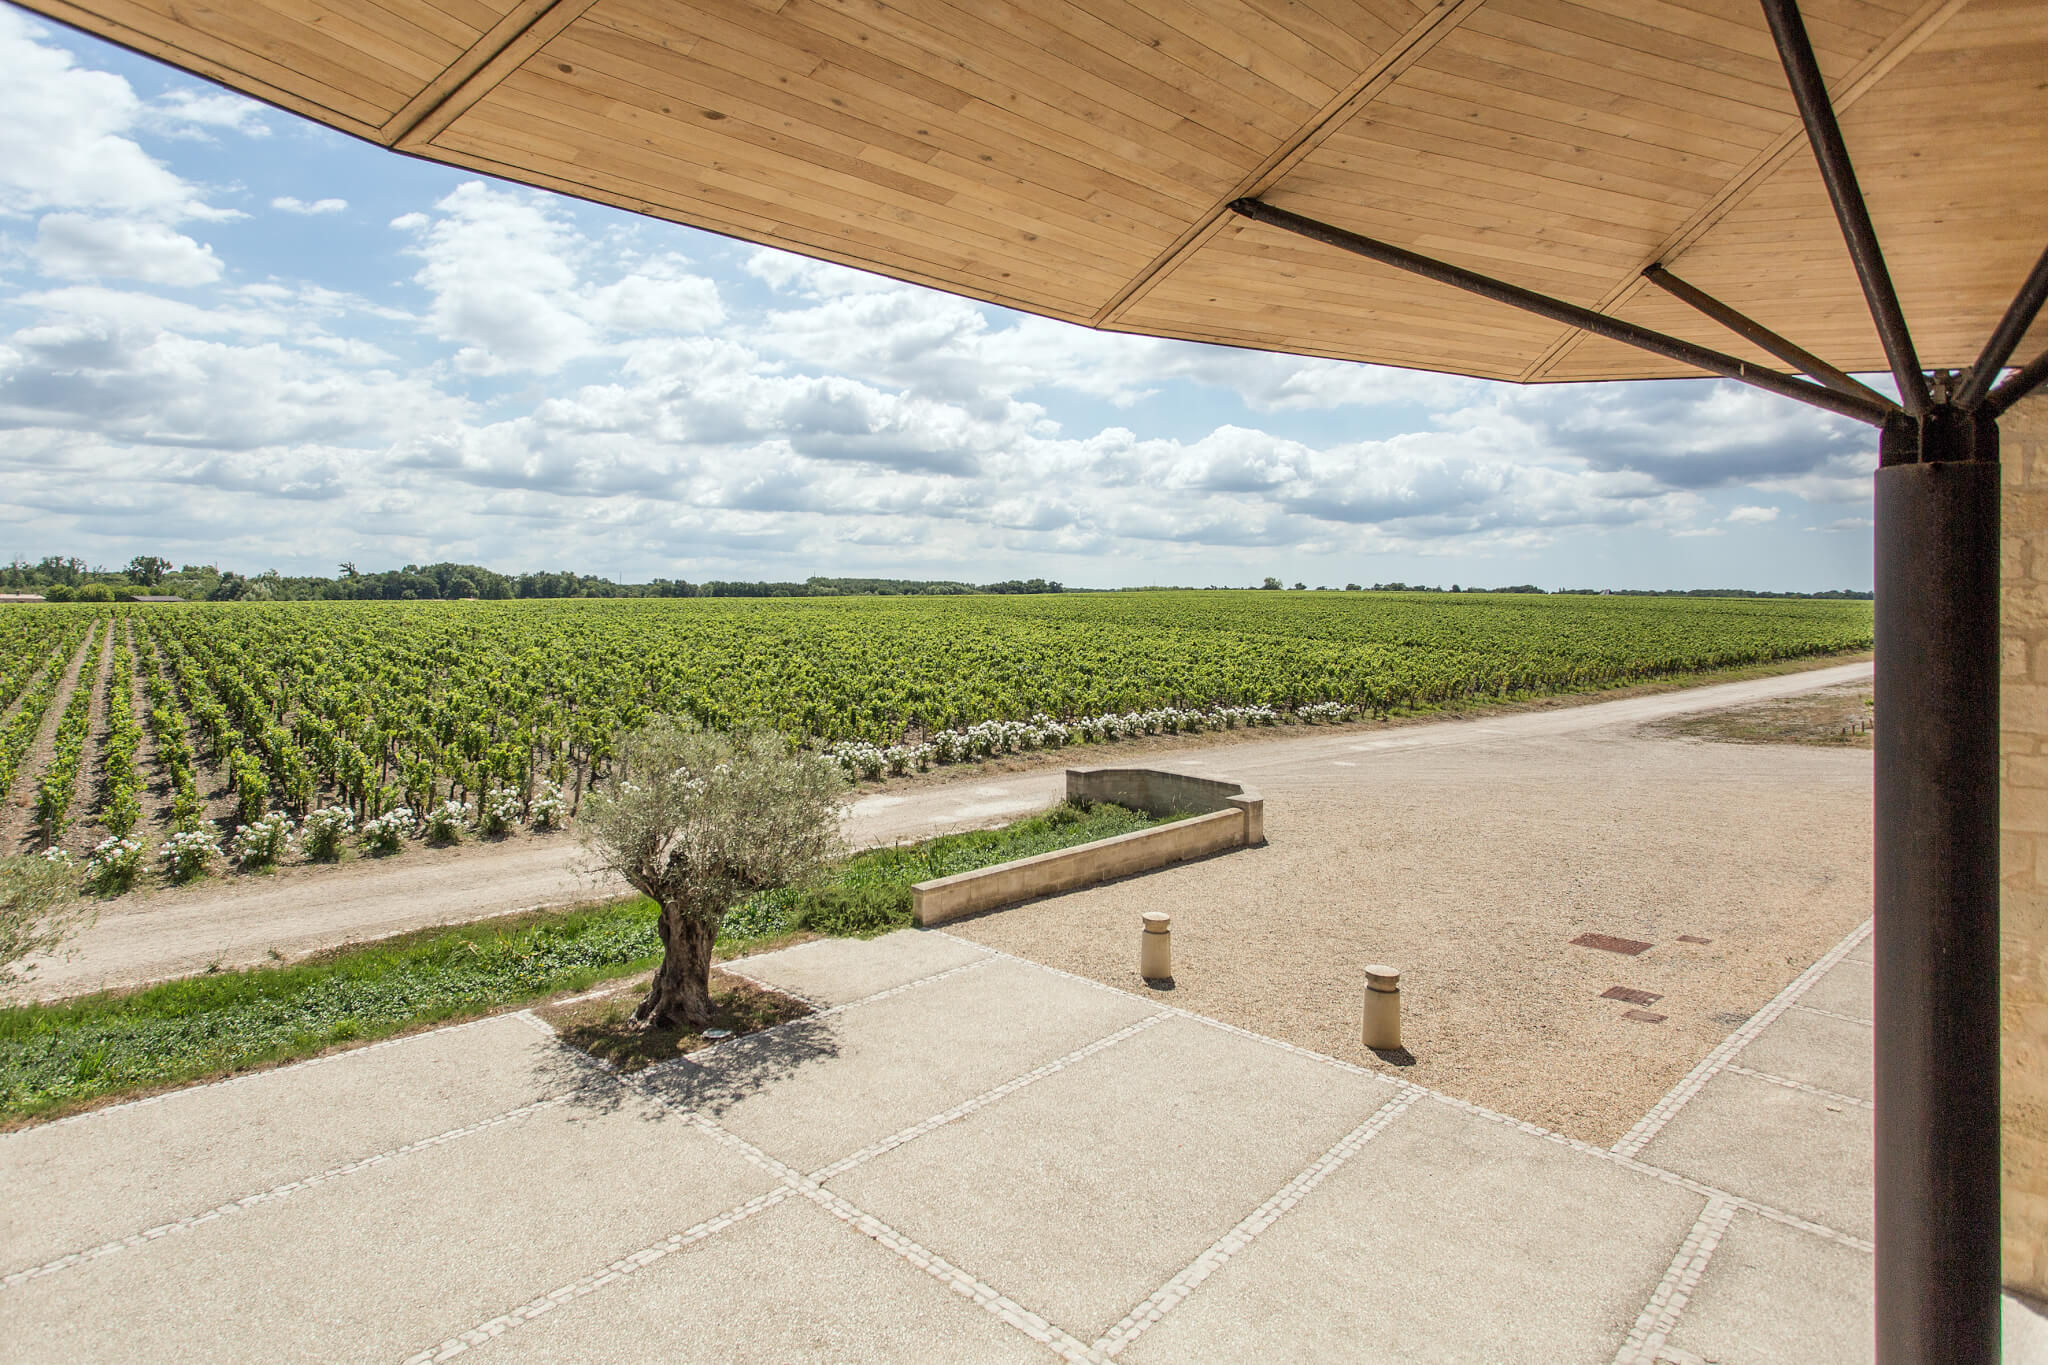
(67, 1055)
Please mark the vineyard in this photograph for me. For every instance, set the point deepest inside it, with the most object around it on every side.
(198, 733)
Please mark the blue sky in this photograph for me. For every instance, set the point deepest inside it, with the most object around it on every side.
(228, 335)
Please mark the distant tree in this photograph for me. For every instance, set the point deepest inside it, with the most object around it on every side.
(1301, 587)
(95, 592)
(348, 569)
(148, 570)
(1456, 588)
(231, 588)
(697, 821)
(60, 569)
(1271, 584)
(1352, 587)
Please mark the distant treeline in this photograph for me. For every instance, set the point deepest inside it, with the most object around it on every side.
(1832, 594)
(66, 579)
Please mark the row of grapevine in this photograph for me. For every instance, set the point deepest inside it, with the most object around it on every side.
(59, 780)
(120, 780)
(173, 747)
(40, 678)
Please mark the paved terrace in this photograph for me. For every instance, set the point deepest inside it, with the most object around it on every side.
(961, 1157)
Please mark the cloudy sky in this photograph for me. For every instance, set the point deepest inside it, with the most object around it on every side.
(227, 335)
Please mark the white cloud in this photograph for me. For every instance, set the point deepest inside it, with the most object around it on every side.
(287, 204)
(73, 246)
(508, 275)
(571, 391)
(64, 140)
(192, 113)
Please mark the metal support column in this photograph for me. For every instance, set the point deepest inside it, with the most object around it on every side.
(1937, 1042)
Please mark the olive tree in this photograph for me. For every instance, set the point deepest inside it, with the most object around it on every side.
(697, 820)
(38, 907)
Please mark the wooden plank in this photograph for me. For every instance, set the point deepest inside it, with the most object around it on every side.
(1876, 67)
(941, 240)
(1584, 70)
(514, 22)
(718, 218)
(1613, 113)
(1004, 69)
(1543, 145)
(1536, 27)
(1055, 215)
(613, 66)
(141, 29)
(1412, 47)
(542, 30)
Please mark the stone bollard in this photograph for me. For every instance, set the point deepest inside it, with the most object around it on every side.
(1382, 1008)
(1155, 947)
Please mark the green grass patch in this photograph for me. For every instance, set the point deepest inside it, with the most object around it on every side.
(64, 1056)
(869, 893)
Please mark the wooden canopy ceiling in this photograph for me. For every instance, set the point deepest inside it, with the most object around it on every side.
(1076, 158)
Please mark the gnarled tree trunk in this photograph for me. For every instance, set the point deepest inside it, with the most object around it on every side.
(680, 994)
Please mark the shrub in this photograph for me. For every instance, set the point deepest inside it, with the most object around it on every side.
(114, 866)
(386, 833)
(188, 854)
(324, 830)
(444, 823)
(498, 812)
(261, 844)
(550, 808)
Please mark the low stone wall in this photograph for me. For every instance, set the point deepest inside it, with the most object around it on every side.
(1161, 793)
(1233, 818)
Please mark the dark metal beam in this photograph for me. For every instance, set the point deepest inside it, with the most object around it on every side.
(1810, 92)
(1936, 1002)
(1557, 310)
(1750, 329)
(2019, 386)
(1999, 346)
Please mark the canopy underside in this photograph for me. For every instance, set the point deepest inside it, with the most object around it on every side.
(1076, 159)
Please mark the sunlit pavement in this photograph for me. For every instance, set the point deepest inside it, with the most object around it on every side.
(960, 1156)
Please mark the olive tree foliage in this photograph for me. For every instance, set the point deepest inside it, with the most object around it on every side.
(698, 820)
(39, 906)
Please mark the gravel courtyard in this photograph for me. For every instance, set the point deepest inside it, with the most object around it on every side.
(1470, 856)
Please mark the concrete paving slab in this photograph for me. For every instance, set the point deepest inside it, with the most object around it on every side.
(789, 1286)
(1773, 1295)
(1865, 951)
(1446, 1238)
(2026, 1332)
(1818, 1049)
(1082, 1194)
(396, 1259)
(834, 971)
(819, 1089)
(119, 1171)
(1789, 1149)
(1845, 989)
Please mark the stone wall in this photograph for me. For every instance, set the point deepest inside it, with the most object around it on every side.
(1163, 793)
(2024, 823)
